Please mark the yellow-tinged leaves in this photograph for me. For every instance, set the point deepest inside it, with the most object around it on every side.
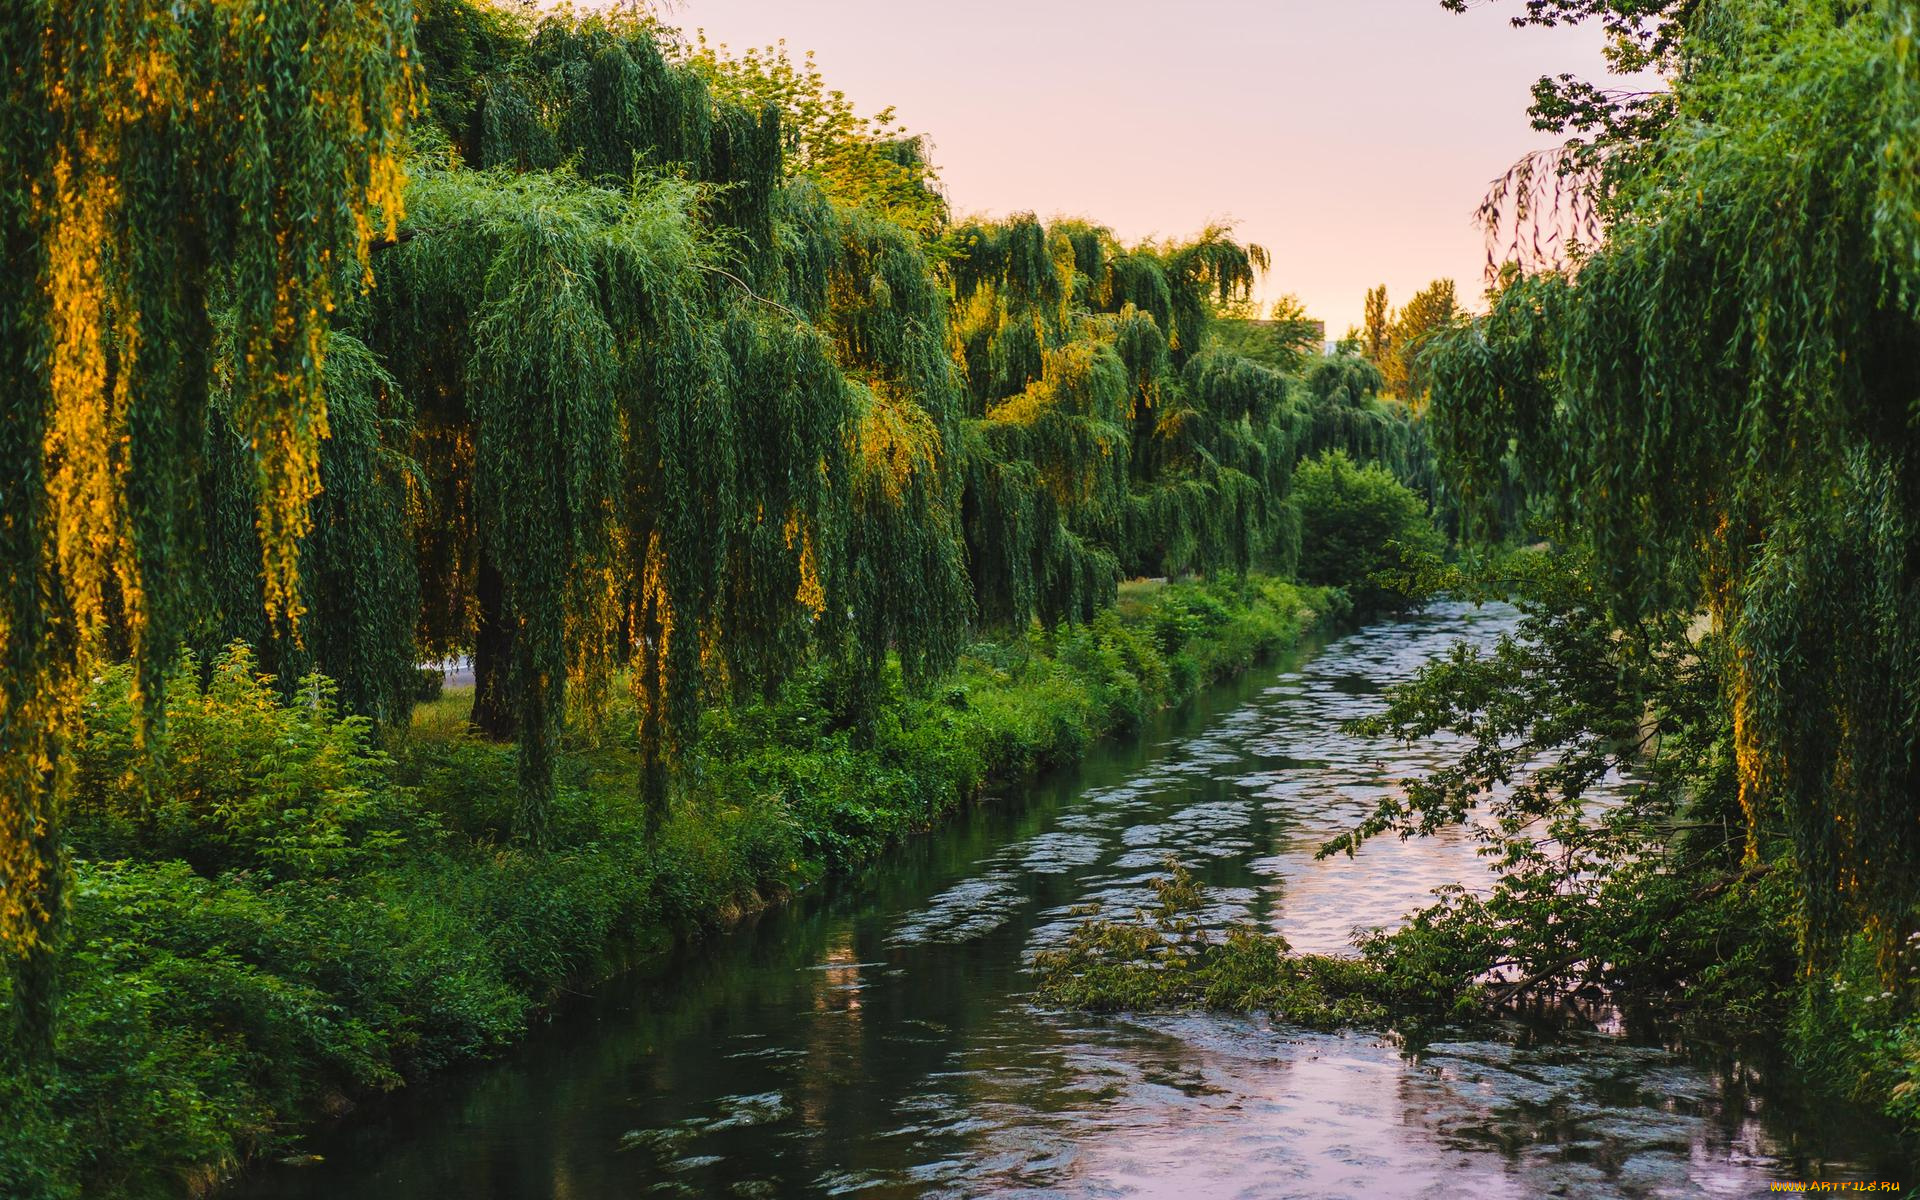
(86, 427)
(895, 441)
(810, 592)
(222, 104)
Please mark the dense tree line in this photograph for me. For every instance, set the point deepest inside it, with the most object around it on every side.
(575, 349)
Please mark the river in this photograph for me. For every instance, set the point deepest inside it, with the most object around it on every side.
(879, 1039)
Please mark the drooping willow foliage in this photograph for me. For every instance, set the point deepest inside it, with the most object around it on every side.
(673, 418)
(359, 581)
(263, 138)
(1724, 394)
(553, 329)
(1347, 411)
(1103, 438)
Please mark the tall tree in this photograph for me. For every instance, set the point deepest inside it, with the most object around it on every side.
(1376, 335)
(1433, 308)
(122, 119)
(1722, 397)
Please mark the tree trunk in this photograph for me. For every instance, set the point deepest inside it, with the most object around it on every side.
(539, 746)
(494, 714)
(653, 732)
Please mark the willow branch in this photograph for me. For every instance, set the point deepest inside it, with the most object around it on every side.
(751, 294)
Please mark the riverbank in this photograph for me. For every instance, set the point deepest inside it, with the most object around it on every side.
(301, 915)
(883, 1038)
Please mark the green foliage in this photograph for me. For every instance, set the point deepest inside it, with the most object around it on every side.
(1376, 338)
(1546, 203)
(1088, 365)
(1287, 339)
(583, 363)
(1211, 479)
(1169, 959)
(169, 169)
(1359, 526)
(359, 577)
(636, 460)
(1647, 896)
(870, 163)
(1720, 401)
(1856, 1036)
(1346, 411)
(236, 778)
(658, 380)
(1394, 343)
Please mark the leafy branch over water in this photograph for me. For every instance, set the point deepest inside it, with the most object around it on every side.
(1169, 958)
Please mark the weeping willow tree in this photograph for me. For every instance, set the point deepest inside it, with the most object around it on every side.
(1012, 300)
(1104, 438)
(263, 138)
(676, 415)
(1722, 395)
(571, 376)
(1346, 410)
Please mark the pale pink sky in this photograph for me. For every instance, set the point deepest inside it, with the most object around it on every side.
(1352, 138)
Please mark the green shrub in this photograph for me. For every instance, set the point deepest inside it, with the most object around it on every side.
(200, 1010)
(1853, 1032)
(236, 776)
(1358, 525)
(38, 1152)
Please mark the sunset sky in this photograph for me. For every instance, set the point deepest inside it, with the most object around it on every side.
(1352, 138)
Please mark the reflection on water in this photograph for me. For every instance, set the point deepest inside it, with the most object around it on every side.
(879, 1041)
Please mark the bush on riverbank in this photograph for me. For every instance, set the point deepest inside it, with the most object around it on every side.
(274, 912)
(1434, 970)
(1359, 528)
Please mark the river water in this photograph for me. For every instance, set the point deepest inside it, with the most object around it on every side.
(879, 1039)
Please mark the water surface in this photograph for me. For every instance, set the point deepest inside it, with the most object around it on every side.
(879, 1040)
